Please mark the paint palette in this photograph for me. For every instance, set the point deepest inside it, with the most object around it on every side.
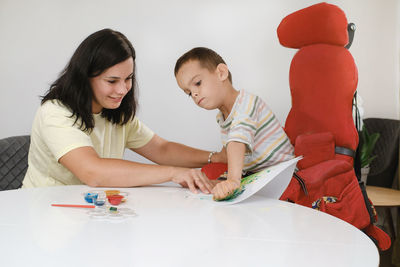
(106, 202)
(99, 197)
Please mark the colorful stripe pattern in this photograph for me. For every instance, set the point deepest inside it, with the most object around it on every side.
(252, 122)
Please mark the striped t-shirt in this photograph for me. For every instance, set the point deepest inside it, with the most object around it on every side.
(252, 122)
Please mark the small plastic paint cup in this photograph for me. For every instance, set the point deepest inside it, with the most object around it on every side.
(125, 195)
(115, 216)
(115, 199)
(100, 199)
(113, 209)
(90, 196)
(127, 212)
(98, 216)
(97, 213)
(112, 192)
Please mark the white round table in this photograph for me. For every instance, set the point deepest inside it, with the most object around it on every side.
(174, 228)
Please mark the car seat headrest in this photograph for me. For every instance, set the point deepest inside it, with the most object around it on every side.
(319, 23)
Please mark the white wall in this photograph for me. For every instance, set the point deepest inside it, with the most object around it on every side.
(37, 39)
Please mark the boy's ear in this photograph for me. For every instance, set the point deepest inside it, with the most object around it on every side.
(222, 71)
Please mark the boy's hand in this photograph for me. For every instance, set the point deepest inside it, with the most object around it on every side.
(225, 188)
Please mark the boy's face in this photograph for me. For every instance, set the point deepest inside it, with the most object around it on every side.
(205, 87)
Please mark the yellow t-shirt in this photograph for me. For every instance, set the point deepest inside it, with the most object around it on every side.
(53, 135)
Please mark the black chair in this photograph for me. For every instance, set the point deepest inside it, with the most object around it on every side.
(383, 168)
(13, 161)
(383, 171)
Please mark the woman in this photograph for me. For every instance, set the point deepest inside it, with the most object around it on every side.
(87, 119)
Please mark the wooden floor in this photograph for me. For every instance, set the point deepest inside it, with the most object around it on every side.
(386, 258)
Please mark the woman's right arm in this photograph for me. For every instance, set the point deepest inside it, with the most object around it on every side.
(92, 170)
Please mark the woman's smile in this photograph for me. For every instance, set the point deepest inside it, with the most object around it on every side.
(116, 99)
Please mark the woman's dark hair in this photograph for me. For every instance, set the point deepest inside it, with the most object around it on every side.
(98, 52)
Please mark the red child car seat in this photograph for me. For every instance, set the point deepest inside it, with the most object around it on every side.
(323, 80)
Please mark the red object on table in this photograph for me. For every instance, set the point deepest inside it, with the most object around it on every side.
(115, 199)
(214, 170)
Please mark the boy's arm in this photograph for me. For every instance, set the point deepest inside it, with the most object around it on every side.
(235, 152)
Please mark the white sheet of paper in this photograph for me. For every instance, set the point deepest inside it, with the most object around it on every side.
(270, 183)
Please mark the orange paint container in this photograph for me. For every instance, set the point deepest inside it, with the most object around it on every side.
(112, 192)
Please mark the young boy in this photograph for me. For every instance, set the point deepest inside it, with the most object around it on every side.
(252, 135)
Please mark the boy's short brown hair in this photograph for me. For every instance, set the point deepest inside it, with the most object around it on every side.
(207, 58)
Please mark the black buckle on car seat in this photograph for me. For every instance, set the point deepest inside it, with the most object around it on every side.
(301, 182)
(345, 151)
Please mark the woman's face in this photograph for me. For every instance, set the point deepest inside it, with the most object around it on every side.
(110, 87)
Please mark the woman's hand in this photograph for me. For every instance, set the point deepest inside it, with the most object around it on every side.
(225, 188)
(192, 179)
